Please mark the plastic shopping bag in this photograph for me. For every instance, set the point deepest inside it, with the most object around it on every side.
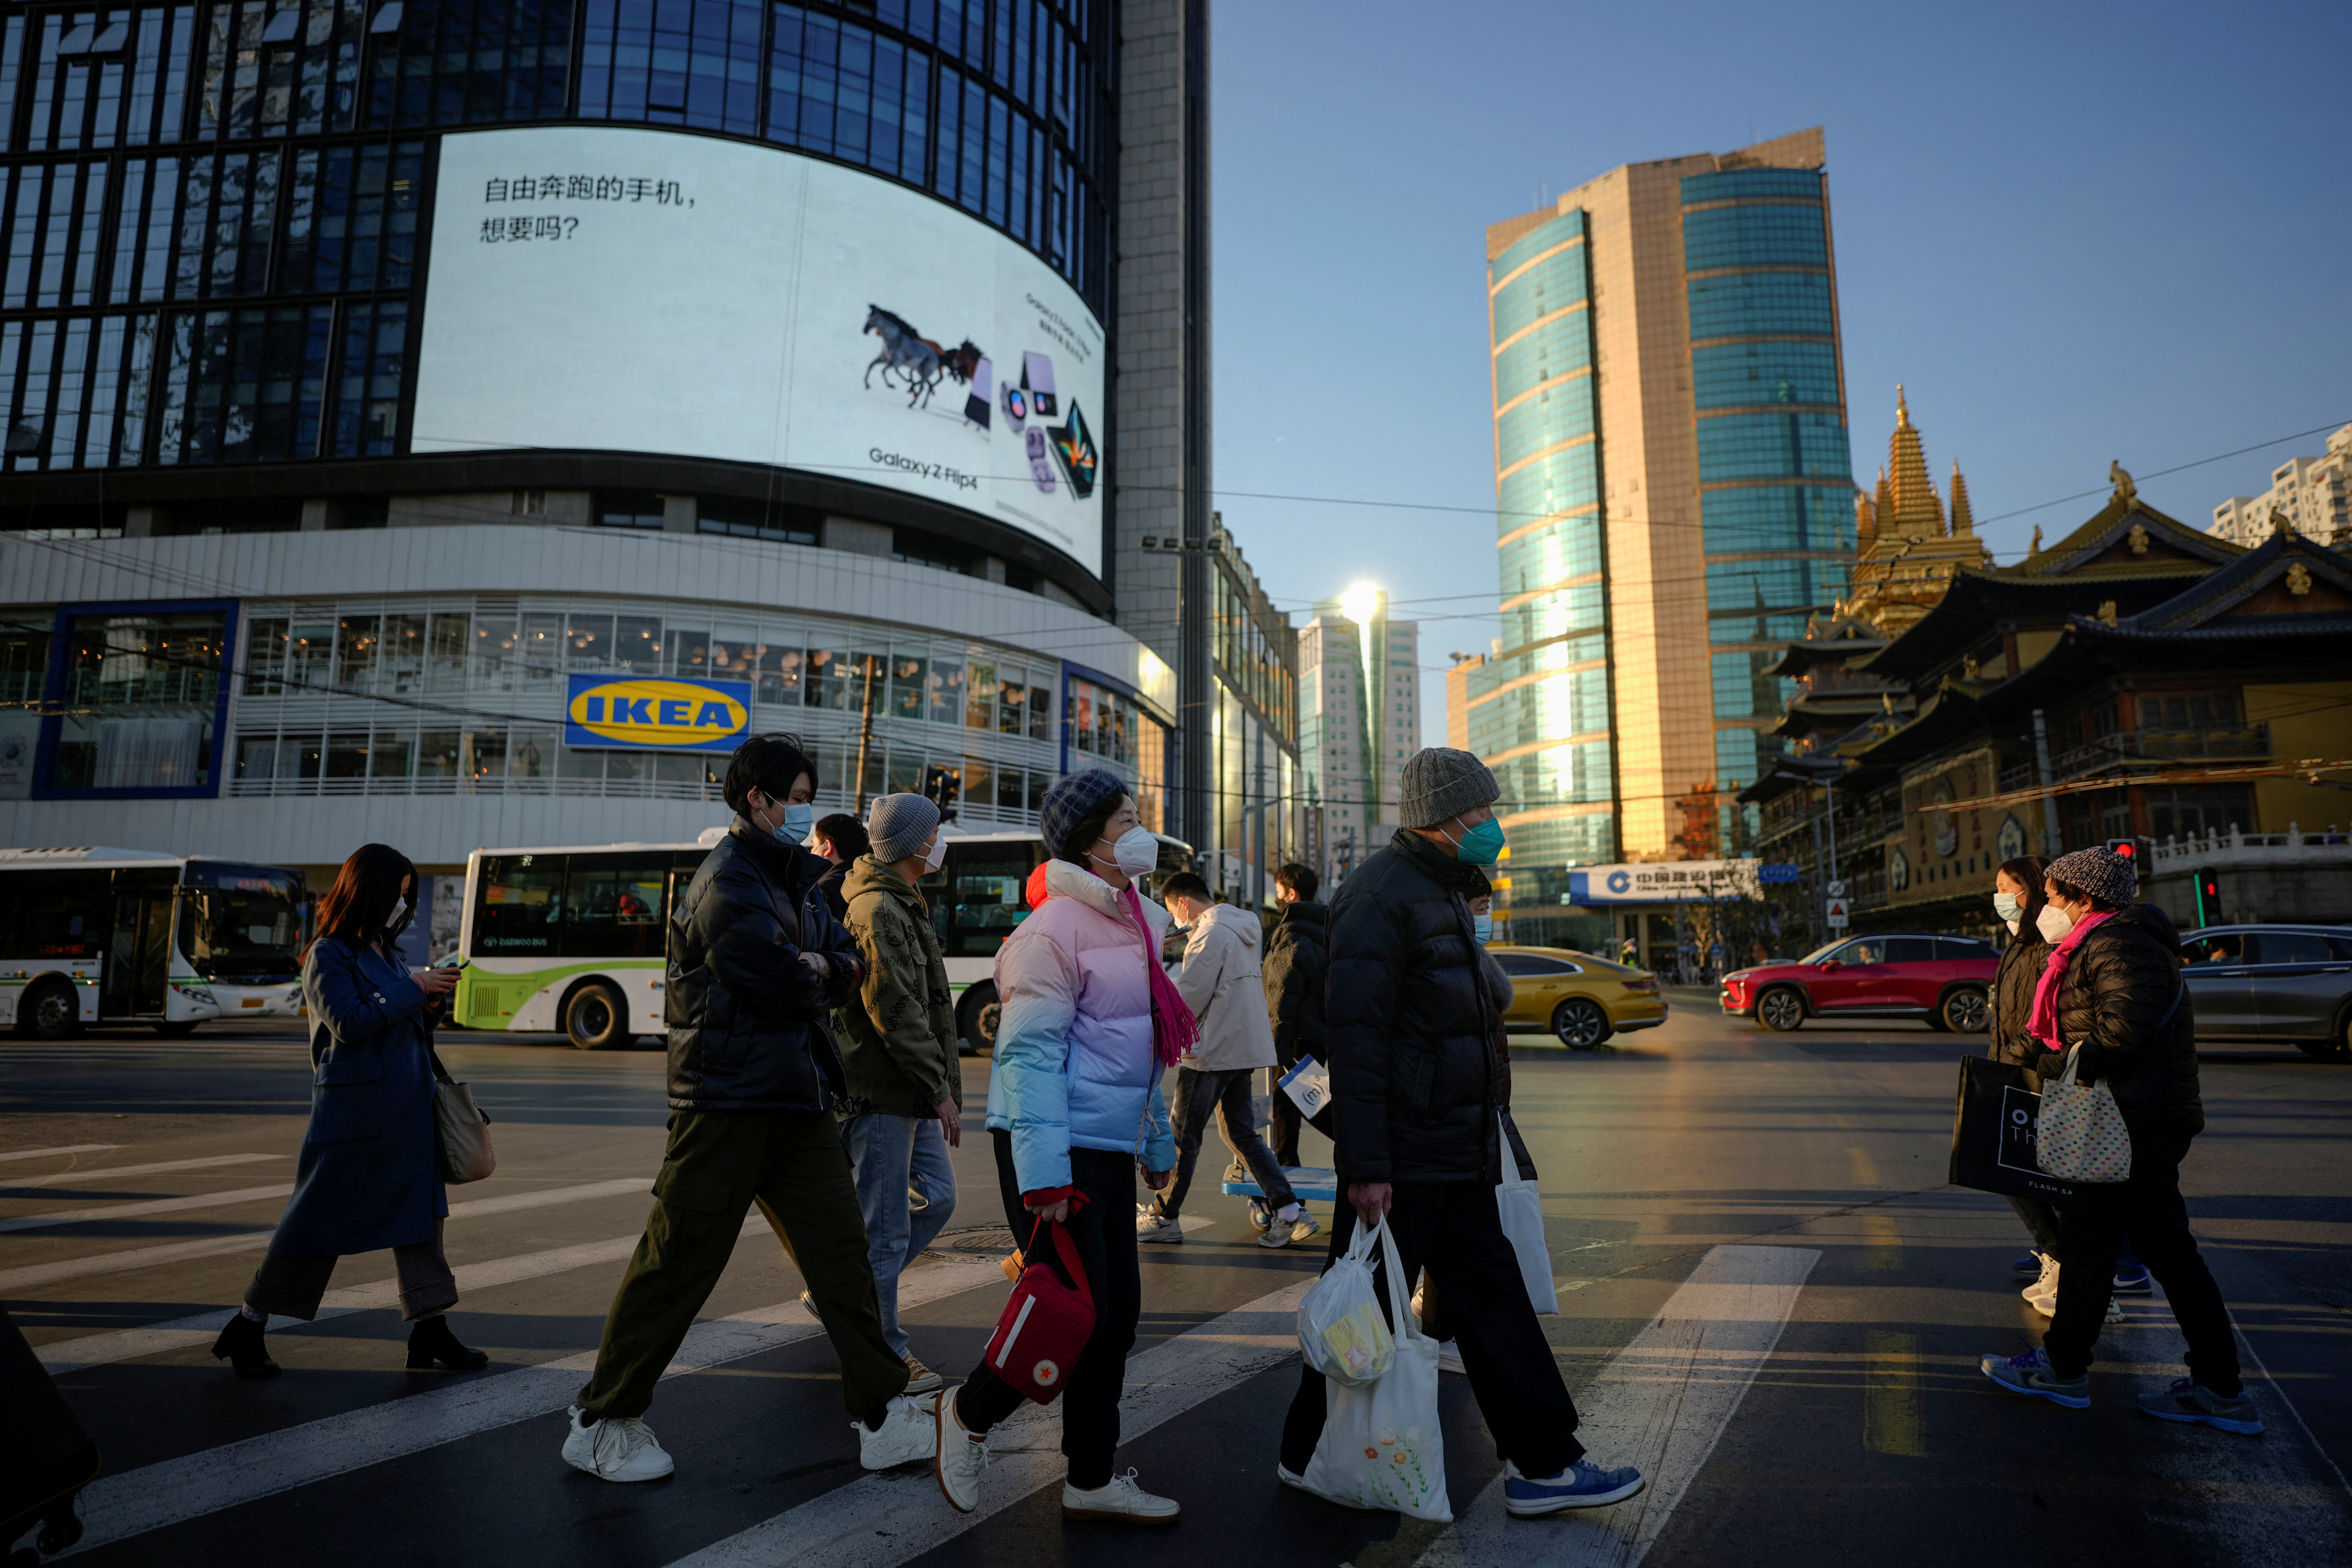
(1521, 1206)
(1380, 1448)
(1340, 1330)
(1310, 1085)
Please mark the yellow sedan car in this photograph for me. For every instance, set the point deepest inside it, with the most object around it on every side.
(1578, 999)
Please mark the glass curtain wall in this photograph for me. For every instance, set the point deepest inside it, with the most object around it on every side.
(1539, 709)
(1776, 492)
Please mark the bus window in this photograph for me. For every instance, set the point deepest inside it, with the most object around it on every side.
(55, 915)
(615, 907)
(241, 923)
(984, 884)
(520, 908)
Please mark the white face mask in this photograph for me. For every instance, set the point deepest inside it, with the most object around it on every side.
(2053, 922)
(936, 854)
(1135, 852)
(2008, 908)
(394, 921)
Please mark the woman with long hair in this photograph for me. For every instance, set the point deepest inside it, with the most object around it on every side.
(2017, 899)
(370, 1172)
(1090, 1022)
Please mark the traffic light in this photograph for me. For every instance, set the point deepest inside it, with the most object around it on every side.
(2209, 896)
(2137, 851)
(944, 787)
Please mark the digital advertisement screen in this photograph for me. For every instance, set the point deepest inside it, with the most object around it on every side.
(619, 289)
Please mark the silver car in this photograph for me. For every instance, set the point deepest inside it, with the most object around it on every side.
(2290, 984)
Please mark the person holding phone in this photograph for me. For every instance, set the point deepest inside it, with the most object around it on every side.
(369, 1176)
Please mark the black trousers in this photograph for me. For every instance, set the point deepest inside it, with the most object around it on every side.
(1104, 1231)
(290, 1284)
(1454, 1231)
(1226, 1098)
(2147, 1209)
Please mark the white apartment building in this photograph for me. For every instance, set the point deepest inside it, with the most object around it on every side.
(2311, 493)
(1360, 719)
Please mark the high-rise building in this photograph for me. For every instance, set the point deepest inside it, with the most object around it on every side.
(1674, 494)
(1254, 730)
(384, 387)
(2312, 494)
(1360, 719)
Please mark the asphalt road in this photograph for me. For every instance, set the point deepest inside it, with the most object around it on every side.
(1769, 1299)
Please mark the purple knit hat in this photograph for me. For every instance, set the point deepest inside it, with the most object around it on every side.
(1068, 803)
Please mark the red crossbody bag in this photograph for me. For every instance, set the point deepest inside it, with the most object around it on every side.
(1045, 1324)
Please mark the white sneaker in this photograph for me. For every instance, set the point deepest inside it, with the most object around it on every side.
(1121, 1499)
(1283, 1232)
(1150, 1225)
(617, 1449)
(907, 1434)
(1449, 1358)
(959, 1456)
(2042, 1294)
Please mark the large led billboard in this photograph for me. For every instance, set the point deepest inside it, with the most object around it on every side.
(610, 288)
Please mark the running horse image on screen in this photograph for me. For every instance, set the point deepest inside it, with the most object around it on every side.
(910, 356)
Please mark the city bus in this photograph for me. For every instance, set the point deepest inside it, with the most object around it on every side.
(108, 935)
(571, 938)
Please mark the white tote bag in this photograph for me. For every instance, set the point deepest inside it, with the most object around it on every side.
(1521, 1206)
(2080, 1134)
(1381, 1446)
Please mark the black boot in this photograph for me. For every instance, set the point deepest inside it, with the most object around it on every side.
(430, 1341)
(241, 1345)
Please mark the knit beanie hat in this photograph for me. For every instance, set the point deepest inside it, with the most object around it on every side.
(1068, 803)
(2104, 874)
(901, 825)
(1441, 783)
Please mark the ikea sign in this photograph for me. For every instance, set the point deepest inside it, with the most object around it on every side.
(655, 713)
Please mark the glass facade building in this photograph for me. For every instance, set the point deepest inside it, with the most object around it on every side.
(218, 260)
(1674, 495)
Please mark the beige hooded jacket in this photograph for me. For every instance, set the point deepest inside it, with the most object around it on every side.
(1222, 982)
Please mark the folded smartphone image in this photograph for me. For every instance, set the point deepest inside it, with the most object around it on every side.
(1073, 446)
(1037, 375)
(984, 381)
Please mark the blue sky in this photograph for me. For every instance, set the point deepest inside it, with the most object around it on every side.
(2073, 233)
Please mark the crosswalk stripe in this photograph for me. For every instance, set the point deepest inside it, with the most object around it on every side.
(60, 1149)
(879, 1520)
(31, 1274)
(116, 1172)
(139, 1210)
(1660, 1406)
(136, 1501)
(125, 1344)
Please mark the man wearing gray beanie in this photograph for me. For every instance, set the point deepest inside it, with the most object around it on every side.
(899, 1055)
(1417, 1100)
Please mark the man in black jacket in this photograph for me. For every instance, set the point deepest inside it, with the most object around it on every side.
(2121, 1005)
(1417, 1096)
(1293, 971)
(756, 960)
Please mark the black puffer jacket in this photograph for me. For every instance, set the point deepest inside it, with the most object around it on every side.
(1292, 971)
(1408, 1023)
(2021, 962)
(746, 1016)
(2114, 1002)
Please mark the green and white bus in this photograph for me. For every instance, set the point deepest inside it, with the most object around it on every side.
(571, 938)
(93, 936)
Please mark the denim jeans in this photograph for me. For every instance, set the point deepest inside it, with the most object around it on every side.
(887, 1155)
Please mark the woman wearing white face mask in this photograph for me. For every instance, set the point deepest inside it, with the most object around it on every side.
(1090, 1023)
(369, 1176)
(2017, 900)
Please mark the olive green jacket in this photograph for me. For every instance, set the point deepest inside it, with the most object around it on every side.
(899, 1044)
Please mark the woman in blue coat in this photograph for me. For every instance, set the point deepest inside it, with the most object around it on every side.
(370, 1174)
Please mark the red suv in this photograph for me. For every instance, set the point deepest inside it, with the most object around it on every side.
(1941, 980)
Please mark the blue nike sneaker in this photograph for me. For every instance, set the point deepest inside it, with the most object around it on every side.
(1582, 1485)
(2132, 1280)
(2030, 1374)
(2028, 1267)
(2188, 1401)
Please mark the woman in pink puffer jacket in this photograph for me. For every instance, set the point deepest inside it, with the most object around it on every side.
(1074, 1108)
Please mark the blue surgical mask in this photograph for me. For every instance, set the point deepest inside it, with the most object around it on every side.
(799, 821)
(1483, 926)
(1482, 845)
(2008, 908)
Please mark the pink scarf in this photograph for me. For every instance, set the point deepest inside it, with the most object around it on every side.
(2043, 1022)
(1174, 1029)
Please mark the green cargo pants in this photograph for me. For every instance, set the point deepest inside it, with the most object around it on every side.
(718, 1163)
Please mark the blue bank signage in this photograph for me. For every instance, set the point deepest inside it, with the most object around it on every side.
(1667, 882)
(655, 713)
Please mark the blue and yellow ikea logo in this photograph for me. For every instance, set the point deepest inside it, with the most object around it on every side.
(655, 713)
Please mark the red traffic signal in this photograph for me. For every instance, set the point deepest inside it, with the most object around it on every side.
(2127, 848)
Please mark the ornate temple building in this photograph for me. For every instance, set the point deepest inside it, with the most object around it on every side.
(1906, 546)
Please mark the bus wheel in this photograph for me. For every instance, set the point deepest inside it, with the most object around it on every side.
(976, 1019)
(49, 1010)
(596, 1018)
(177, 1028)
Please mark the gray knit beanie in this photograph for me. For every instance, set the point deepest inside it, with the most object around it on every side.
(1441, 783)
(2105, 875)
(901, 825)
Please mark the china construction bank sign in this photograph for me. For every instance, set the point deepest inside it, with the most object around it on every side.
(1668, 880)
(657, 714)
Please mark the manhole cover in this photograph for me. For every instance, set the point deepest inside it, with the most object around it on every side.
(977, 1241)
